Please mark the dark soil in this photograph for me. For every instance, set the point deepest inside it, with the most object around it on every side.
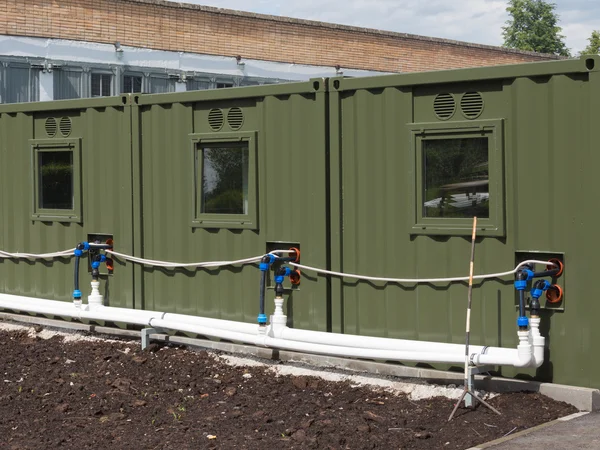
(101, 395)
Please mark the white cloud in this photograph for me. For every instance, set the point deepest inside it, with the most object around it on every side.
(478, 21)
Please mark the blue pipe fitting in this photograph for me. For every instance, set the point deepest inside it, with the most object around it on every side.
(530, 274)
(76, 294)
(537, 291)
(78, 252)
(262, 319)
(522, 321)
(520, 285)
(281, 274)
(267, 260)
(86, 245)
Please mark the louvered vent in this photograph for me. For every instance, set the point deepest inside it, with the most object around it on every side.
(471, 105)
(50, 126)
(65, 126)
(444, 106)
(235, 118)
(215, 119)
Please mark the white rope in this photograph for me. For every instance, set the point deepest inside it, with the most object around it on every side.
(61, 254)
(420, 280)
(167, 264)
(255, 259)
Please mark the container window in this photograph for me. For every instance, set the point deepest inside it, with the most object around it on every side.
(56, 175)
(224, 180)
(456, 178)
(458, 174)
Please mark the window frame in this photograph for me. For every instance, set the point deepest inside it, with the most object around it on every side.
(493, 130)
(56, 145)
(226, 221)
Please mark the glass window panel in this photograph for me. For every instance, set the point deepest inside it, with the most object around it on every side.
(162, 85)
(196, 85)
(55, 171)
(21, 85)
(131, 84)
(224, 85)
(225, 180)
(456, 174)
(101, 83)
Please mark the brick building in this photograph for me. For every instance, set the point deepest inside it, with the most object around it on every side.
(56, 49)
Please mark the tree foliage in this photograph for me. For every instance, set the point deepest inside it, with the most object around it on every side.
(534, 26)
(594, 44)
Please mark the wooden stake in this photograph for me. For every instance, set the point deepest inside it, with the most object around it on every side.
(468, 329)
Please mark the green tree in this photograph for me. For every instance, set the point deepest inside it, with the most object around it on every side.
(533, 26)
(594, 47)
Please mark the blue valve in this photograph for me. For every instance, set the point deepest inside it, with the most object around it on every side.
(537, 292)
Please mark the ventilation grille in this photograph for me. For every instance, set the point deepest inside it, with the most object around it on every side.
(65, 126)
(471, 105)
(444, 106)
(235, 118)
(215, 119)
(50, 126)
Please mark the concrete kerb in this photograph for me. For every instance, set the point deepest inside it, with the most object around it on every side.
(584, 399)
(502, 440)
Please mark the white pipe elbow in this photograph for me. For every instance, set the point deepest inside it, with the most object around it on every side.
(539, 343)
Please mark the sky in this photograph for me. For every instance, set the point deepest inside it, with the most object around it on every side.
(478, 21)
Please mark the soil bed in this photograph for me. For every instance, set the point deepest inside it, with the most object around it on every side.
(89, 393)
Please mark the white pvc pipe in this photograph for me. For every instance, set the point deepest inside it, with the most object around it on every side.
(267, 341)
(285, 338)
(349, 340)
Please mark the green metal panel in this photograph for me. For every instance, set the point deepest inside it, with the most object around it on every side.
(289, 122)
(103, 130)
(549, 169)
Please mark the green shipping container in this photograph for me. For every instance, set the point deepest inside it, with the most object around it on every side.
(378, 176)
(414, 157)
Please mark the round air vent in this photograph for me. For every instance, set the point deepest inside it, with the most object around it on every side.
(65, 126)
(215, 119)
(444, 106)
(471, 105)
(235, 118)
(50, 126)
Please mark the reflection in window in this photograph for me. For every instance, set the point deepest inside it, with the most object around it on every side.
(225, 179)
(55, 171)
(456, 178)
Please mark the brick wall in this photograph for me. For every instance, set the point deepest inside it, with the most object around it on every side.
(164, 25)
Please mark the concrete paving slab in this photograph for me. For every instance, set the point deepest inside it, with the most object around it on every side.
(580, 431)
